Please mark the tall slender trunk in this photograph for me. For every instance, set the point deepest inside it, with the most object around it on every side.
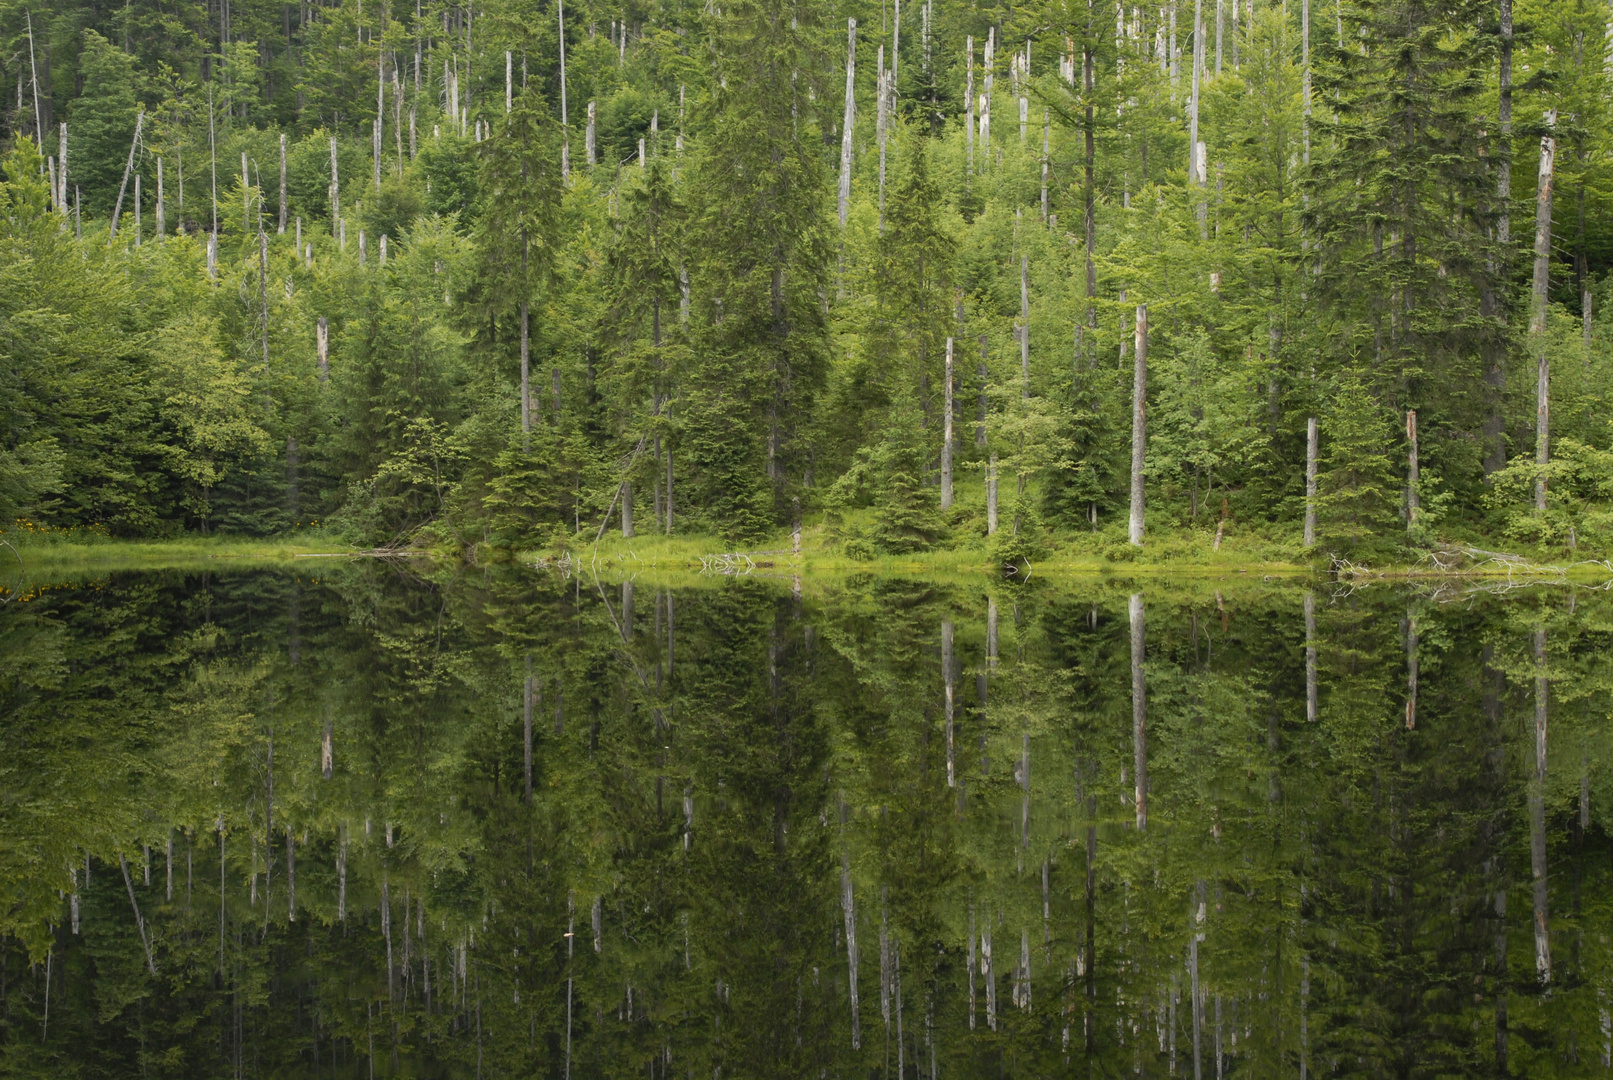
(1495, 368)
(1088, 188)
(282, 187)
(1139, 425)
(565, 118)
(1413, 471)
(991, 495)
(848, 124)
(1537, 320)
(969, 104)
(1311, 447)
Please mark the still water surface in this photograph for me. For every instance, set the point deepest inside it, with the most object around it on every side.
(355, 821)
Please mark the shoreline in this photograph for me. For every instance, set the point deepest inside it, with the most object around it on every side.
(702, 556)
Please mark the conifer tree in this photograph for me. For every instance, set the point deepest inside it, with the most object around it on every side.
(1400, 216)
(760, 197)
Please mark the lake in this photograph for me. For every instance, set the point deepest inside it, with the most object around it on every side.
(353, 818)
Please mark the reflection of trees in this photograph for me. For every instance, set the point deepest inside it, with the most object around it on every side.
(1335, 889)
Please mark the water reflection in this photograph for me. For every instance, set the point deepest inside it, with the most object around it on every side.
(512, 824)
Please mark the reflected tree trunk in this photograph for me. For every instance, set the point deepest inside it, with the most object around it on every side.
(1310, 656)
(1139, 709)
(528, 702)
(951, 690)
(1537, 816)
(1411, 669)
(849, 909)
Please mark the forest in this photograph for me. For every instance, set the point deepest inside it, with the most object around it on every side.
(1329, 275)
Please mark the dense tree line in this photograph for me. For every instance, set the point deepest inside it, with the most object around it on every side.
(374, 823)
(506, 273)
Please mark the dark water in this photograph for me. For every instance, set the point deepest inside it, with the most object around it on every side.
(358, 821)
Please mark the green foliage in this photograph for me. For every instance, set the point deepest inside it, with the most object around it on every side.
(1358, 491)
(703, 308)
(102, 122)
(890, 479)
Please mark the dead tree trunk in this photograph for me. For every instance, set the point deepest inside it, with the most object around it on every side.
(282, 185)
(991, 496)
(1413, 498)
(134, 144)
(1310, 481)
(145, 941)
(1139, 425)
(848, 124)
(1537, 320)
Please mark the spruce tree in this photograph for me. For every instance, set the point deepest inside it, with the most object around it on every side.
(761, 201)
(1400, 215)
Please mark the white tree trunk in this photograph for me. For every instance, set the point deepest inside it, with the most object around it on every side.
(282, 188)
(1139, 425)
(1413, 499)
(991, 496)
(848, 125)
(1311, 443)
(1537, 320)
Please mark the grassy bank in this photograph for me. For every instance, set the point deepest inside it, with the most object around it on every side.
(78, 549)
(1180, 553)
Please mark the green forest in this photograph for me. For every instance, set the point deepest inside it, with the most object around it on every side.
(1326, 275)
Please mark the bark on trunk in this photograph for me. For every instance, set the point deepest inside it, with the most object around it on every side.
(145, 941)
(1537, 321)
(282, 188)
(1311, 446)
(849, 123)
(1413, 472)
(1139, 425)
(991, 496)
